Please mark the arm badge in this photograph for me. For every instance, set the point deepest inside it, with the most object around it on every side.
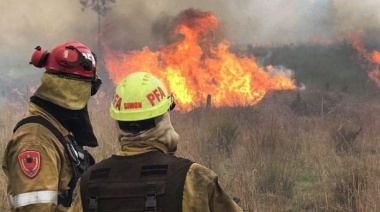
(30, 163)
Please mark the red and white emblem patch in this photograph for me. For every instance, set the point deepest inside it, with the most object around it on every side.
(30, 162)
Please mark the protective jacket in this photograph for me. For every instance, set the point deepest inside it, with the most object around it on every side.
(201, 190)
(161, 181)
(37, 166)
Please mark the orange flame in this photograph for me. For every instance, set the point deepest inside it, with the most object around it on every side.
(372, 57)
(198, 65)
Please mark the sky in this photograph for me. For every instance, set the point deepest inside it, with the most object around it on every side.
(133, 24)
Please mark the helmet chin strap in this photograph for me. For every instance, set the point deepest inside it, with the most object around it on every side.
(172, 106)
(96, 82)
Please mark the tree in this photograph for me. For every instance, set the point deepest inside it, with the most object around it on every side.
(100, 7)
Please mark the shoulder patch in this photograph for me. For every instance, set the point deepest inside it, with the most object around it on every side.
(30, 163)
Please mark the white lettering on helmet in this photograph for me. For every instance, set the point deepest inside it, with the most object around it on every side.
(65, 54)
(35, 197)
(90, 57)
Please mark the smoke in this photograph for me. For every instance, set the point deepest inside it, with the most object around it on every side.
(250, 21)
(134, 24)
(27, 24)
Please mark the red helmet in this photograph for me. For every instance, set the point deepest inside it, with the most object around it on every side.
(72, 59)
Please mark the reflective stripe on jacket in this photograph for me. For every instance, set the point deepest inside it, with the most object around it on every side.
(34, 197)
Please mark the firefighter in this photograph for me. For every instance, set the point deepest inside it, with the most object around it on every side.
(45, 156)
(145, 175)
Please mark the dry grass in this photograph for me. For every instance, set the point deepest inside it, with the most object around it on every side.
(11, 113)
(268, 156)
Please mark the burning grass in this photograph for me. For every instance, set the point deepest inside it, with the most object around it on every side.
(268, 156)
(198, 62)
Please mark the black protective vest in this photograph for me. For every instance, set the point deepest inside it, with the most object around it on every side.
(151, 181)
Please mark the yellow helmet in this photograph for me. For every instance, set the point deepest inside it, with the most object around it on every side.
(140, 96)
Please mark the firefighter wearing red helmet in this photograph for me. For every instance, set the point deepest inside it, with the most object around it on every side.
(45, 156)
(145, 175)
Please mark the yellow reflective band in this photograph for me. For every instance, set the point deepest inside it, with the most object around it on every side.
(35, 197)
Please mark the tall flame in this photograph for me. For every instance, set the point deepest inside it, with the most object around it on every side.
(197, 65)
(372, 57)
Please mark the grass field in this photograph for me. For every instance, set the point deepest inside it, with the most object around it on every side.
(272, 156)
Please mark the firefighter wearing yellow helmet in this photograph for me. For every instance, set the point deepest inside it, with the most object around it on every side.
(140, 97)
(45, 156)
(145, 175)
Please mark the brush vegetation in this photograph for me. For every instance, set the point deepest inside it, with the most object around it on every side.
(268, 156)
(310, 150)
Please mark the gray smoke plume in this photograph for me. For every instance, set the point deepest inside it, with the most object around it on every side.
(133, 24)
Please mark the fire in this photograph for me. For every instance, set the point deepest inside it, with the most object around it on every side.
(372, 57)
(199, 64)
